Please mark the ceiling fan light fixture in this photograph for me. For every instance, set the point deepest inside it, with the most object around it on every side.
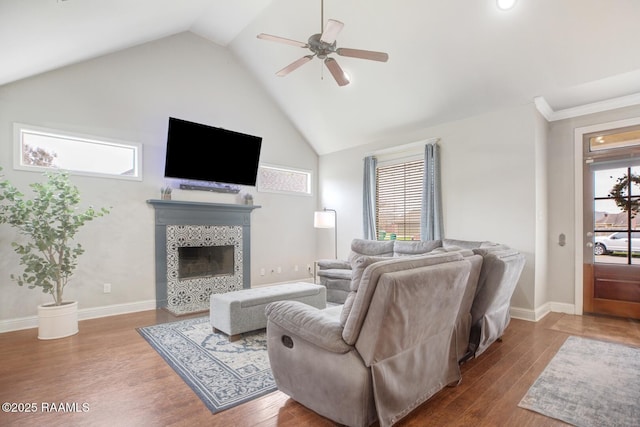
(506, 4)
(331, 31)
(321, 46)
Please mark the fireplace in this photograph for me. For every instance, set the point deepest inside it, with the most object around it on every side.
(201, 248)
(205, 261)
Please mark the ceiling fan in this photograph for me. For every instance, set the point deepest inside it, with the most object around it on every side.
(322, 45)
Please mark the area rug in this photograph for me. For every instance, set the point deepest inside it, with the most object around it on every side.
(589, 383)
(223, 374)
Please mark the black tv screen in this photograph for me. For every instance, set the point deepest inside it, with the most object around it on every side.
(206, 153)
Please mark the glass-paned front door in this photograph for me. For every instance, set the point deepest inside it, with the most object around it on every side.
(612, 272)
(616, 215)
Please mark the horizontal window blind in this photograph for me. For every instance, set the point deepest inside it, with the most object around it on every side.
(399, 200)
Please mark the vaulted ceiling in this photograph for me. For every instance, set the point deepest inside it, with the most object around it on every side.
(448, 59)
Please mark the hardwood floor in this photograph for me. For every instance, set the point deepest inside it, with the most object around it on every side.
(121, 381)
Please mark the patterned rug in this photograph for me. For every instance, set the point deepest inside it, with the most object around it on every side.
(589, 383)
(223, 374)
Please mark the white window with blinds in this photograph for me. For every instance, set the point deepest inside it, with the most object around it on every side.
(399, 200)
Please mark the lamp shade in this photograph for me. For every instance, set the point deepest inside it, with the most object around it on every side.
(324, 219)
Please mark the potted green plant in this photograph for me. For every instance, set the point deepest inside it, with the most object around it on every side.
(49, 221)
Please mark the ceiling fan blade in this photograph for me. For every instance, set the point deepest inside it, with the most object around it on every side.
(271, 38)
(294, 65)
(363, 54)
(336, 72)
(331, 31)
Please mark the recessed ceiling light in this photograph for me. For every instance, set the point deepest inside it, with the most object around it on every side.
(505, 4)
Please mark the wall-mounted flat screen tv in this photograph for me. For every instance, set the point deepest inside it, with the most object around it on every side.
(205, 153)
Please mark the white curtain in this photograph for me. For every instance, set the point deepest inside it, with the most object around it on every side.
(431, 213)
(369, 199)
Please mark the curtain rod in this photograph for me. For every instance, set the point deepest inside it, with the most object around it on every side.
(399, 148)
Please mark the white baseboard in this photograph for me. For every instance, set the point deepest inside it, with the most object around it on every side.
(540, 312)
(83, 314)
(112, 310)
(523, 314)
(18, 324)
(561, 307)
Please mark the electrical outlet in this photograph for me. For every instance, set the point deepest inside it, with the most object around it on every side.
(107, 288)
(295, 267)
(262, 272)
(279, 270)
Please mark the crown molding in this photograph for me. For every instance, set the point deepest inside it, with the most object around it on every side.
(551, 115)
(543, 107)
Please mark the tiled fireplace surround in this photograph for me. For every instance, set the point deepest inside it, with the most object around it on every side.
(196, 224)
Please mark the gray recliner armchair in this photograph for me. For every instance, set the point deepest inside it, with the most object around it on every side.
(335, 274)
(386, 351)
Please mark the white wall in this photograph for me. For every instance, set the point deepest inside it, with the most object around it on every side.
(489, 179)
(129, 95)
(508, 176)
(500, 181)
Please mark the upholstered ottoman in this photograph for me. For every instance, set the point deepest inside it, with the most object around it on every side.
(242, 311)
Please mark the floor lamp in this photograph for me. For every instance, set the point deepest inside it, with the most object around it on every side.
(327, 218)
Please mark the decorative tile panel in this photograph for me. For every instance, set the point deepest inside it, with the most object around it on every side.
(192, 294)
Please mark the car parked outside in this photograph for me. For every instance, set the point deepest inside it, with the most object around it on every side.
(616, 242)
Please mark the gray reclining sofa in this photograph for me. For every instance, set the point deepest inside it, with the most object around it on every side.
(485, 308)
(406, 323)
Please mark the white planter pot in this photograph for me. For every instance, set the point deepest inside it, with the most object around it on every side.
(57, 321)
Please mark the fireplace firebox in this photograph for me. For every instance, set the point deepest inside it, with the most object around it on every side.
(205, 261)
